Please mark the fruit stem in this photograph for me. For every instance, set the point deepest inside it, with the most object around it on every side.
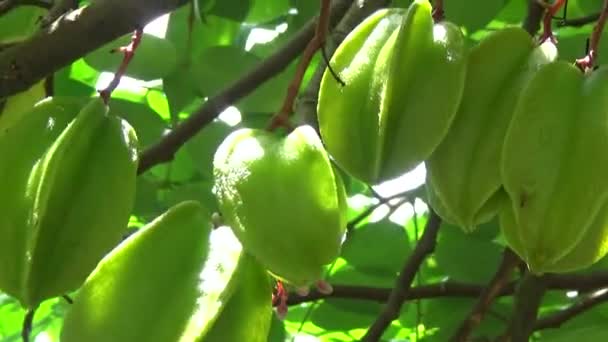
(549, 14)
(279, 299)
(317, 41)
(586, 63)
(438, 12)
(27, 324)
(129, 52)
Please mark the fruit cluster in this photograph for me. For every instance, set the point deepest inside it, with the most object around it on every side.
(68, 193)
(503, 127)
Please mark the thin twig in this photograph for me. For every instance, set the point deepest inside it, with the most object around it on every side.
(578, 22)
(164, 150)
(129, 52)
(28, 321)
(533, 17)
(281, 119)
(573, 282)
(586, 63)
(490, 292)
(425, 246)
(559, 318)
(381, 295)
(381, 201)
(548, 19)
(438, 11)
(306, 105)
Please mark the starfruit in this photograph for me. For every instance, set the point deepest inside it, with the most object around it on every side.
(247, 314)
(404, 76)
(557, 215)
(22, 144)
(463, 173)
(283, 200)
(74, 207)
(146, 289)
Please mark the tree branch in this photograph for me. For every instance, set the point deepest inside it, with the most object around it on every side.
(577, 22)
(164, 150)
(535, 13)
(59, 8)
(74, 36)
(490, 292)
(527, 301)
(559, 318)
(586, 63)
(378, 294)
(425, 246)
(281, 119)
(581, 283)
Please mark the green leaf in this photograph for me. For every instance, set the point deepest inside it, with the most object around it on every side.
(377, 248)
(181, 85)
(446, 314)
(333, 317)
(472, 16)
(587, 326)
(154, 58)
(19, 23)
(77, 79)
(466, 257)
(200, 191)
(267, 10)
(203, 145)
(217, 67)
(232, 9)
(147, 123)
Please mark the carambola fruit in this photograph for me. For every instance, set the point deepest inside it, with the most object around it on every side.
(174, 280)
(463, 173)
(404, 77)
(74, 207)
(283, 200)
(147, 287)
(22, 144)
(554, 167)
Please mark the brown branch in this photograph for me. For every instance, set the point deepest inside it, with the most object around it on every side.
(28, 321)
(527, 302)
(533, 17)
(164, 150)
(425, 246)
(378, 294)
(74, 36)
(586, 63)
(281, 119)
(505, 270)
(574, 282)
(548, 20)
(438, 11)
(559, 318)
(580, 282)
(59, 8)
(128, 53)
